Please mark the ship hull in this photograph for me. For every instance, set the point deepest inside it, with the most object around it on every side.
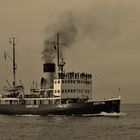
(92, 107)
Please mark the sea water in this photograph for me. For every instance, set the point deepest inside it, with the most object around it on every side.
(104, 126)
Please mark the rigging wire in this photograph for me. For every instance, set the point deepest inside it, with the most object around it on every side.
(76, 60)
(26, 50)
(73, 57)
(102, 83)
(5, 67)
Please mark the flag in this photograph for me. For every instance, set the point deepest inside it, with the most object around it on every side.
(5, 55)
(54, 46)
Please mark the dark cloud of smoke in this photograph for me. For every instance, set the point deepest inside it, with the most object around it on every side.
(73, 27)
(67, 29)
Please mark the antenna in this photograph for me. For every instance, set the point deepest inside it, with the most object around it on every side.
(12, 40)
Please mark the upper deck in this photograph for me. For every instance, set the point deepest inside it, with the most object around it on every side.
(73, 85)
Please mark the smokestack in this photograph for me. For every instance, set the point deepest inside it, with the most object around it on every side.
(49, 67)
(49, 70)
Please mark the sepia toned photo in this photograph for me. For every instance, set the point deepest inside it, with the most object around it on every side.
(69, 70)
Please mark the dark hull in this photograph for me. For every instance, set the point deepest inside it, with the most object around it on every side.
(93, 107)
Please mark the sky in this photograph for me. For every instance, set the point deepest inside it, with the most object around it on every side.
(104, 40)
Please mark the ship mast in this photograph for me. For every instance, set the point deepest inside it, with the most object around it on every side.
(57, 43)
(12, 41)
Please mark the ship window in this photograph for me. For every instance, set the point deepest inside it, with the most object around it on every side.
(46, 102)
(68, 81)
(55, 82)
(62, 91)
(71, 90)
(58, 82)
(58, 91)
(55, 91)
(11, 101)
(6, 102)
(65, 90)
(68, 90)
(65, 81)
(15, 102)
(34, 102)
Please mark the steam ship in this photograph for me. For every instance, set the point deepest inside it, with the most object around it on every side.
(60, 93)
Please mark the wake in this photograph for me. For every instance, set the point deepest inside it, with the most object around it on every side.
(105, 114)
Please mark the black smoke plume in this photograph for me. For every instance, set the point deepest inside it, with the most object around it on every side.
(67, 30)
(76, 27)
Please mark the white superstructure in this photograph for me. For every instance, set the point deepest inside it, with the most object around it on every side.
(74, 86)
